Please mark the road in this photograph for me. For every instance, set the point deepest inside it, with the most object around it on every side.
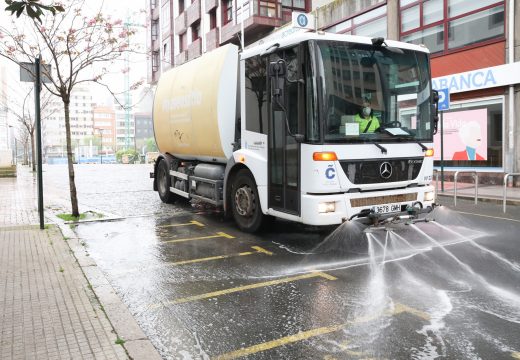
(202, 289)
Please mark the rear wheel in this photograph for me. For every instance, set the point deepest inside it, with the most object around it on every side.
(164, 182)
(245, 203)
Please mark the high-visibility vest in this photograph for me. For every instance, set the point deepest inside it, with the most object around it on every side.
(363, 123)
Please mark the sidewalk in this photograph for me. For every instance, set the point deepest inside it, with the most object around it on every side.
(493, 193)
(47, 308)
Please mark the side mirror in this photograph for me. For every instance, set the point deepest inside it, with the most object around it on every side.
(435, 110)
(277, 73)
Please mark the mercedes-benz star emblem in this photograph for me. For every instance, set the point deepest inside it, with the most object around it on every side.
(385, 170)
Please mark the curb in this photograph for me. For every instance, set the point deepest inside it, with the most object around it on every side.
(137, 344)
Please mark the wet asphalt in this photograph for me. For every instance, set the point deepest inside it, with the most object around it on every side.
(201, 289)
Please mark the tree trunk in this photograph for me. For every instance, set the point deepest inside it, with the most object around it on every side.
(32, 153)
(72, 184)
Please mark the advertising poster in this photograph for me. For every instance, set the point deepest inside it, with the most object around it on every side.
(465, 136)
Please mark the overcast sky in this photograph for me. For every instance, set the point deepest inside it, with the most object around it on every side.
(118, 10)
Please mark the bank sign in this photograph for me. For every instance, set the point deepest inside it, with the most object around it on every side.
(495, 76)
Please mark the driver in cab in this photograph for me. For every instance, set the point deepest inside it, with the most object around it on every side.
(367, 121)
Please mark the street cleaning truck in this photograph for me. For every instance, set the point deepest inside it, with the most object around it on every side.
(316, 128)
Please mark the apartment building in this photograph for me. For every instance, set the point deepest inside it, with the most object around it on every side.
(181, 30)
(104, 123)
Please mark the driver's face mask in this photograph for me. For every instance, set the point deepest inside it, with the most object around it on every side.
(367, 110)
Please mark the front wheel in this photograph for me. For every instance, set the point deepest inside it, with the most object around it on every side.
(245, 203)
(164, 182)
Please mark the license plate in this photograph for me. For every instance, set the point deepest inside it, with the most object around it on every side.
(386, 208)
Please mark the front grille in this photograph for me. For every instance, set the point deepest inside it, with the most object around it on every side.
(388, 199)
(369, 171)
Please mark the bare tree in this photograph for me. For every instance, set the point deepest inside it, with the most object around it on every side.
(72, 43)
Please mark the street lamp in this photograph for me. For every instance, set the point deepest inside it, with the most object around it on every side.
(101, 133)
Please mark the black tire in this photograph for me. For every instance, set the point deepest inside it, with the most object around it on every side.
(163, 179)
(245, 203)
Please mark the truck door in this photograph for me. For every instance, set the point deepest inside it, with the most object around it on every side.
(284, 151)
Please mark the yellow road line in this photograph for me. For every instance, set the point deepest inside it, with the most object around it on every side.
(244, 288)
(217, 257)
(515, 355)
(193, 222)
(303, 335)
(262, 250)
(217, 235)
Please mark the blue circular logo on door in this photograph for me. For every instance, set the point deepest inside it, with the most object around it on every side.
(302, 20)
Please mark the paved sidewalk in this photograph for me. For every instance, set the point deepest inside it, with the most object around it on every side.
(47, 309)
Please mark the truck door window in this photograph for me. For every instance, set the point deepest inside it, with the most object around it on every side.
(256, 94)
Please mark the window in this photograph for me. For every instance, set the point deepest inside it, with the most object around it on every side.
(181, 6)
(227, 11)
(213, 19)
(165, 17)
(469, 22)
(166, 53)
(256, 94)
(155, 29)
(294, 5)
(372, 23)
(153, 4)
(155, 60)
(195, 31)
(472, 134)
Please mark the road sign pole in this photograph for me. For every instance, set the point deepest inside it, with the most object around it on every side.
(37, 88)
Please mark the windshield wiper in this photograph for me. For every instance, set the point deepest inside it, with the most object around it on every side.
(382, 148)
(424, 148)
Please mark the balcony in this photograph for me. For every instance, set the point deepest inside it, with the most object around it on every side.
(193, 12)
(210, 5)
(260, 17)
(195, 49)
(180, 23)
(181, 58)
(212, 40)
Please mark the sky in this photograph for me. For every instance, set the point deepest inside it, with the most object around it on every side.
(137, 63)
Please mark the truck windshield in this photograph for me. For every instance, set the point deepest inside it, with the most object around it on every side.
(374, 93)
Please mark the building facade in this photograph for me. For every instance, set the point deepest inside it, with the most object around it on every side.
(104, 123)
(474, 46)
(143, 130)
(181, 30)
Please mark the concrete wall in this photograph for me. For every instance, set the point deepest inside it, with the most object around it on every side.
(6, 158)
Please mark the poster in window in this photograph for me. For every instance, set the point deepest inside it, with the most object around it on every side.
(465, 136)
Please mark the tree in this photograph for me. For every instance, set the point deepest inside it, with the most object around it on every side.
(72, 43)
(150, 145)
(32, 7)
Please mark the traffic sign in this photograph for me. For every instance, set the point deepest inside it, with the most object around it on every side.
(444, 99)
(302, 20)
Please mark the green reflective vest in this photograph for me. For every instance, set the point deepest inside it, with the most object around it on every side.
(363, 123)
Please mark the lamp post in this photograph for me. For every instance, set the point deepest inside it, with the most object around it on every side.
(101, 152)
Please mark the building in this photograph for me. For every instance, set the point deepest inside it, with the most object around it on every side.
(181, 30)
(5, 151)
(143, 130)
(125, 129)
(53, 124)
(470, 42)
(104, 123)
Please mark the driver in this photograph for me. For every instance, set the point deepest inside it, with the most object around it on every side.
(367, 121)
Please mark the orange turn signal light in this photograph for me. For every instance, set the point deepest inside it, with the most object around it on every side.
(324, 156)
(428, 153)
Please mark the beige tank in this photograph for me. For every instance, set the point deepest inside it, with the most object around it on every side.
(195, 107)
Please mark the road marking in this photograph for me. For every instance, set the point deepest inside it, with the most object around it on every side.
(244, 288)
(218, 257)
(487, 216)
(303, 335)
(193, 222)
(217, 235)
(515, 355)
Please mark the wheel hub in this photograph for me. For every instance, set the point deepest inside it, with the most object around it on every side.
(244, 200)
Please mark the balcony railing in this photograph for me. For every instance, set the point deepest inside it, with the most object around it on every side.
(193, 12)
(210, 5)
(195, 49)
(180, 23)
(181, 58)
(212, 39)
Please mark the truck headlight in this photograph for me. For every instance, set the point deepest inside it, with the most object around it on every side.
(429, 196)
(327, 207)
